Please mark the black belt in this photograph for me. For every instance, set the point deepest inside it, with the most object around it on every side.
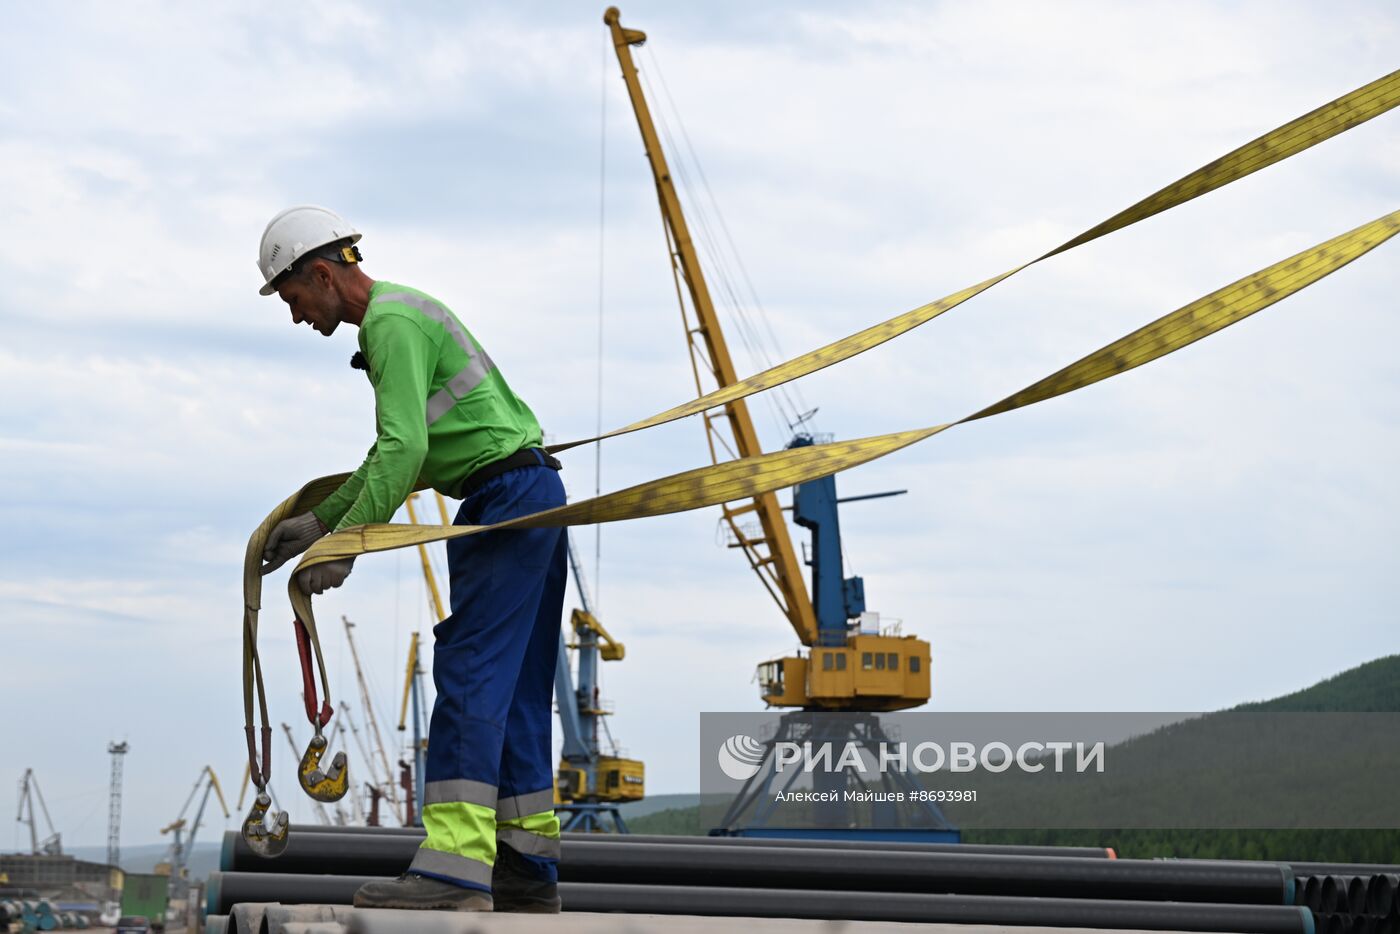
(525, 457)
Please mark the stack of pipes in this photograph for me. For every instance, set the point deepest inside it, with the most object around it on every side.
(815, 879)
(1350, 898)
(38, 914)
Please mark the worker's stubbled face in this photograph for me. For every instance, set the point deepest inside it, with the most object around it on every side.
(312, 299)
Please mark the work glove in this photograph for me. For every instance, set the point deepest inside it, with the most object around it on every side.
(291, 537)
(322, 577)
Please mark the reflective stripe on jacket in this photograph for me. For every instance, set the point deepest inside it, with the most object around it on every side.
(442, 407)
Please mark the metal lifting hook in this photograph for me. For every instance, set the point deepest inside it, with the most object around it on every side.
(266, 837)
(321, 784)
(329, 785)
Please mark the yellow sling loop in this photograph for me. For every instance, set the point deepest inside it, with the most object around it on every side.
(751, 476)
(1325, 122)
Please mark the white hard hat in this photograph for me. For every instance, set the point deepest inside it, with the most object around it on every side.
(295, 232)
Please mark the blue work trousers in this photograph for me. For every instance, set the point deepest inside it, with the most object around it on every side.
(489, 769)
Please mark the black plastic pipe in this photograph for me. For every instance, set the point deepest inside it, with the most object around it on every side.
(1311, 889)
(585, 860)
(1332, 898)
(1097, 852)
(941, 873)
(373, 831)
(396, 848)
(1380, 894)
(1357, 887)
(227, 889)
(1094, 852)
(947, 909)
(1343, 869)
(1355, 924)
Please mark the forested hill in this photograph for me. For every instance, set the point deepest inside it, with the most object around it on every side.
(1370, 688)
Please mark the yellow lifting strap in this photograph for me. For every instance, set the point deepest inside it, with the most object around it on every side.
(752, 476)
(1325, 122)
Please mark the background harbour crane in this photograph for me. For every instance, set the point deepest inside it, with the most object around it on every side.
(590, 786)
(29, 792)
(180, 846)
(383, 781)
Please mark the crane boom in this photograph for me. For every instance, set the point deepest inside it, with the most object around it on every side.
(181, 846)
(771, 554)
(846, 667)
(29, 791)
(372, 725)
(434, 595)
(356, 807)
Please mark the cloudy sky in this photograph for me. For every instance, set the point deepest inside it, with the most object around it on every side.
(1214, 528)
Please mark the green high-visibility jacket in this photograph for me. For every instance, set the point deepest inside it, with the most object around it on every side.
(441, 407)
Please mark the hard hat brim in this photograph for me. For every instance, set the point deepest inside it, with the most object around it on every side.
(296, 233)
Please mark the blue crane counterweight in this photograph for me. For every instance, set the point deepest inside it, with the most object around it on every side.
(837, 598)
(880, 670)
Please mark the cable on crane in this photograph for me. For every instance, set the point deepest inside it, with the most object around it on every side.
(783, 408)
(752, 476)
(602, 242)
(795, 403)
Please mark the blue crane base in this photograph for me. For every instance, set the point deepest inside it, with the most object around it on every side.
(753, 811)
(578, 817)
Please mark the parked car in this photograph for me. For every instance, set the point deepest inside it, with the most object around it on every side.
(132, 924)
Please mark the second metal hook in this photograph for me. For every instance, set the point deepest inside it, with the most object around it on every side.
(323, 784)
(266, 837)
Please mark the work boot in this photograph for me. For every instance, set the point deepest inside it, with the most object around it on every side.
(516, 887)
(411, 890)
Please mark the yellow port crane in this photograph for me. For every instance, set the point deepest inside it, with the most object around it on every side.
(413, 670)
(383, 785)
(180, 846)
(847, 667)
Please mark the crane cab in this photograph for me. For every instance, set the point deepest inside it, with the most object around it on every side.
(870, 672)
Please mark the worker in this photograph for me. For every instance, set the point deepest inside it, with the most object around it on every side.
(446, 418)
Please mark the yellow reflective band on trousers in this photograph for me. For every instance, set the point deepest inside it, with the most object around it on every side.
(461, 842)
(531, 835)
